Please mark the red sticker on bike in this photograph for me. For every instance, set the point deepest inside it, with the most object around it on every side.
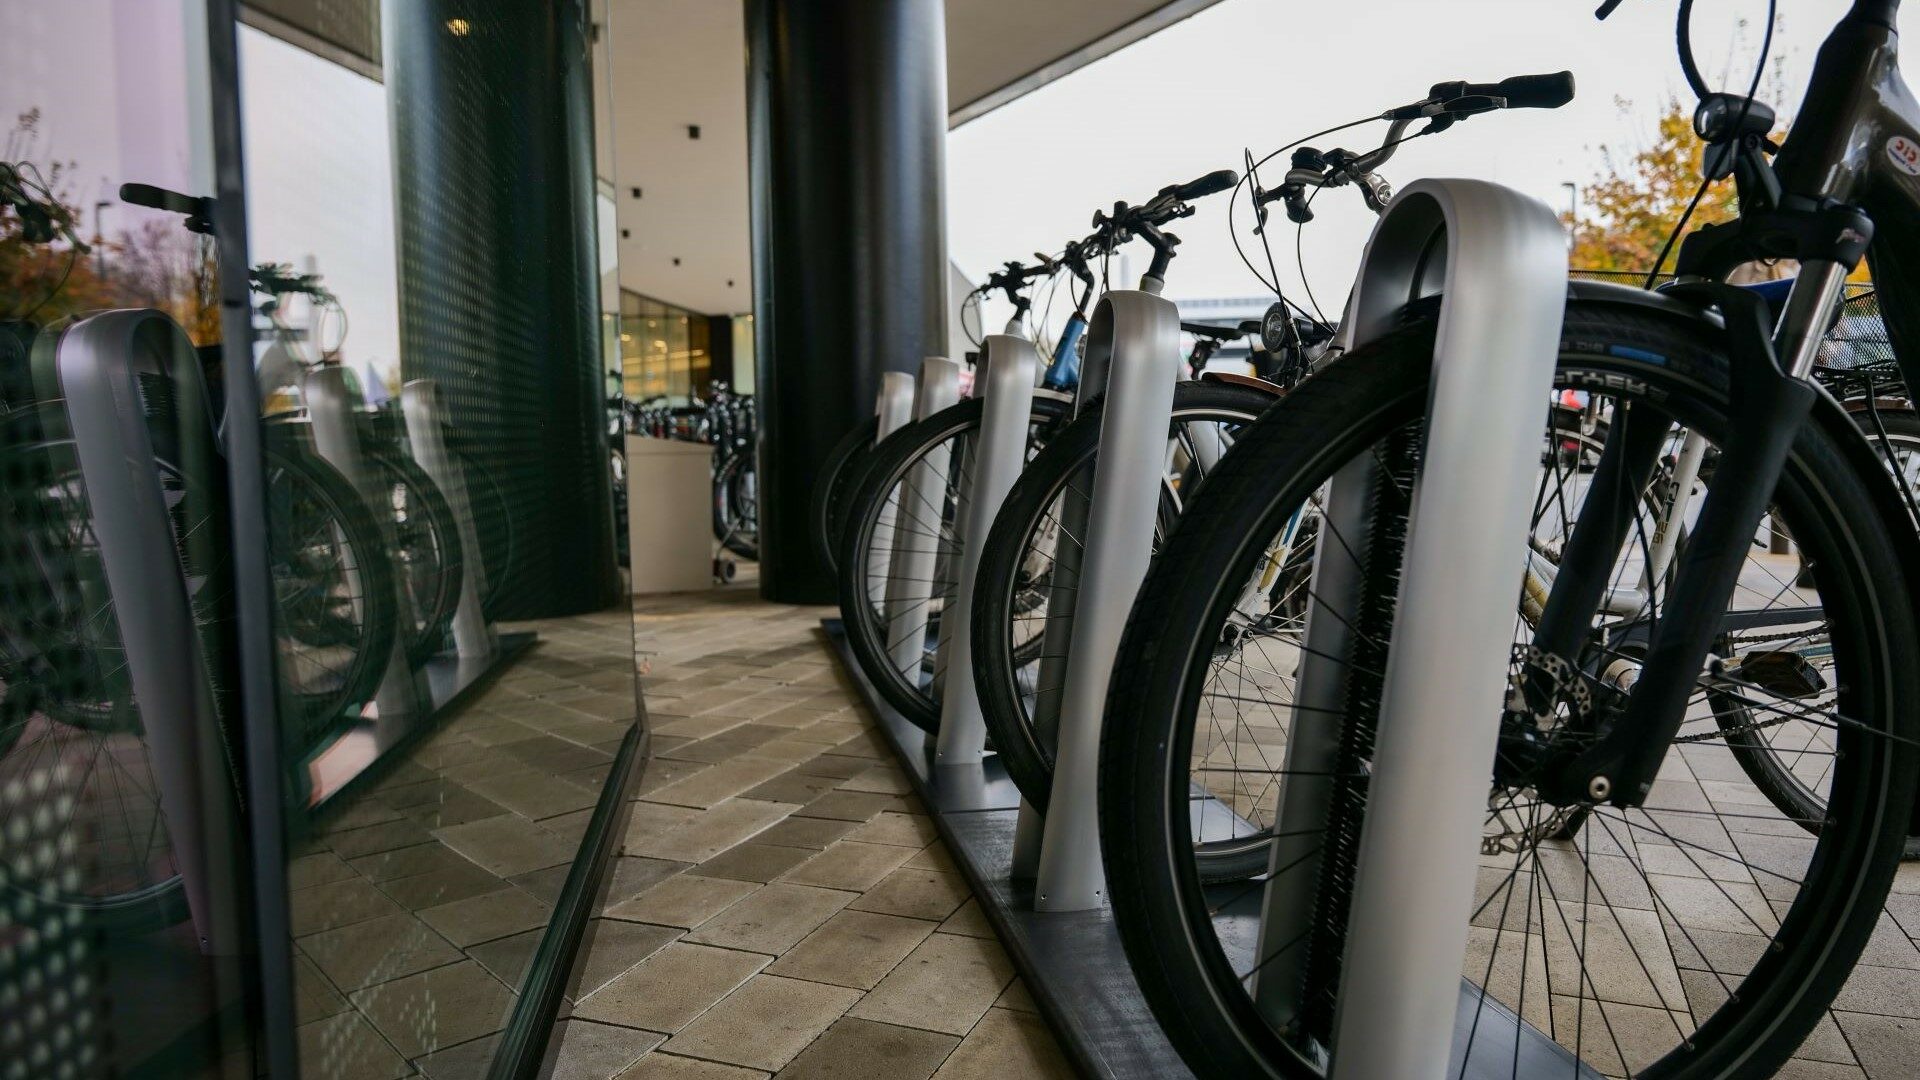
(1905, 154)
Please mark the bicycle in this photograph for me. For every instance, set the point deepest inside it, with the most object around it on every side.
(907, 502)
(1599, 836)
(731, 428)
(68, 693)
(1024, 599)
(841, 473)
(1028, 581)
(425, 538)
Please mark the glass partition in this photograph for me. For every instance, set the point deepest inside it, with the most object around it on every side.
(433, 329)
(314, 652)
(123, 909)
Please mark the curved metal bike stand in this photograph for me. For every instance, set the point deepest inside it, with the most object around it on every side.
(998, 455)
(331, 404)
(103, 362)
(1134, 335)
(473, 636)
(916, 559)
(1499, 260)
(892, 411)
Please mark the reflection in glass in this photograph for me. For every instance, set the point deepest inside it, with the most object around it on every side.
(119, 732)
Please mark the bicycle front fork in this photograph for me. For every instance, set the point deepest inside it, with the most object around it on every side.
(1770, 403)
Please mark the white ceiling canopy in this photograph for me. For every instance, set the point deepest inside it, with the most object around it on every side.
(681, 64)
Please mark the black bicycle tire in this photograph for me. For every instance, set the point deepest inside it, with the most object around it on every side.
(318, 717)
(996, 658)
(839, 475)
(885, 466)
(726, 519)
(428, 636)
(1756, 758)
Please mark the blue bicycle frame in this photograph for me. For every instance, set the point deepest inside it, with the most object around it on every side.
(1063, 371)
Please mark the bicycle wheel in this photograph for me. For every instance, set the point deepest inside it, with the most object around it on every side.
(839, 476)
(897, 643)
(1029, 573)
(1786, 762)
(425, 551)
(1701, 934)
(736, 508)
(336, 609)
(69, 708)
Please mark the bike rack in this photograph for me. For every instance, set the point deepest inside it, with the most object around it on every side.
(473, 636)
(998, 454)
(1130, 340)
(893, 411)
(331, 404)
(910, 591)
(105, 365)
(1498, 258)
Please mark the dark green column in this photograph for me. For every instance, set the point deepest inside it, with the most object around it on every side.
(847, 128)
(499, 279)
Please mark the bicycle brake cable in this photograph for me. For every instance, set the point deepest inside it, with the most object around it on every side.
(1684, 41)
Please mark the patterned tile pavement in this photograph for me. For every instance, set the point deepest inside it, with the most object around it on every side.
(809, 924)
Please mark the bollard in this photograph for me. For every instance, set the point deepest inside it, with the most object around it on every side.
(420, 400)
(336, 435)
(101, 361)
(916, 559)
(1505, 279)
(998, 455)
(1144, 331)
(893, 409)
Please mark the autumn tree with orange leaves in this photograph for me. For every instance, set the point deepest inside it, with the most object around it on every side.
(1628, 211)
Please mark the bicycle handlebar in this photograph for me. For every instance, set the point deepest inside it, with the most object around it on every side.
(1217, 333)
(1530, 91)
(198, 211)
(1462, 98)
(1200, 187)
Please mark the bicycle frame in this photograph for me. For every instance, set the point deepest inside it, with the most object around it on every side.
(1858, 138)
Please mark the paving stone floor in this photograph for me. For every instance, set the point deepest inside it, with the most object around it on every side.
(798, 916)
(417, 904)
(781, 905)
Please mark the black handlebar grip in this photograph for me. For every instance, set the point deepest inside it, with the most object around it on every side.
(1535, 91)
(159, 199)
(1207, 185)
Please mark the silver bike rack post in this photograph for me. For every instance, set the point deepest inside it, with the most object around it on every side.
(1063, 590)
(336, 435)
(1135, 337)
(998, 454)
(102, 362)
(893, 410)
(1499, 260)
(910, 588)
(473, 636)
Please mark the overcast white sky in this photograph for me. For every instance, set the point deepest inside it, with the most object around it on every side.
(1261, 73)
